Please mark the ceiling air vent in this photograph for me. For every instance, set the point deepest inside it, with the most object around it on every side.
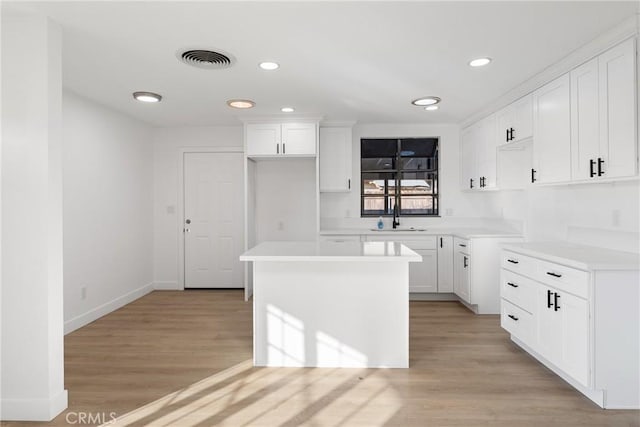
(206, 59)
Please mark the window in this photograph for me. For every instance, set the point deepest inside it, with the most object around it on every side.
(402, 171)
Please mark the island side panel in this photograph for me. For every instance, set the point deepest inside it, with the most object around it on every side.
(331, 314)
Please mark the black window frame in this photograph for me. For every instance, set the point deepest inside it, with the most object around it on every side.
(398, 171)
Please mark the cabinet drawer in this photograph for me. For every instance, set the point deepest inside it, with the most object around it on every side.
(518, 290)
(517, 322)
(413, 242)
(567, 279)
(461, 245)
(517, 263)
(340, 238)
(428, 243)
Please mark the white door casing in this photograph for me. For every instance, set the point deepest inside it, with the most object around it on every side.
(213, 213)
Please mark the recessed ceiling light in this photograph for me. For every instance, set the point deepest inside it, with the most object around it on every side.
(147, 96)
(287, 110)
(269, 66)
(241, 103)
(431, 107)
(480, 62)
(427, 100)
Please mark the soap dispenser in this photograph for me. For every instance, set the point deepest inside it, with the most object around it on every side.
(380, 223)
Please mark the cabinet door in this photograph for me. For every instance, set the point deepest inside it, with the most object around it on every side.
(263, 139)
(468, 167)
(335, 159)
(505, 120)
(574, 318)
(445, 264)
(486, 153)
(549, 329)
(299, 139)
(461, 279)
(551, 124)
(423, 276)
(585, 121)
(618, 112)
(522, 119)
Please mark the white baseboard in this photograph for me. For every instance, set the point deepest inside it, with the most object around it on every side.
(33, 409)
(106, 308)
(414, 296)
(167, 286)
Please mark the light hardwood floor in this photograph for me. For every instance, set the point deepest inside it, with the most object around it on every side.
(184, 359)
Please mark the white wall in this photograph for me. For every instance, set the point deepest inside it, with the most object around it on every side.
(107, 165)
(169, 145)
(32, 332)
(285, 191)
(343, 209)
(605, 215)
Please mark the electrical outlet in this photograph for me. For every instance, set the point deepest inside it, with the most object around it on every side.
(347, 213)
(615, 217)
(280, 225)
(83, 292)
(448, 212)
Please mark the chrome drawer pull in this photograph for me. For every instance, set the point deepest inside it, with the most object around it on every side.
(554, 274)
(513, 261)
(513, 285)
(513, 317)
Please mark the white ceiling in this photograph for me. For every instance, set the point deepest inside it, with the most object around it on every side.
(360, 61)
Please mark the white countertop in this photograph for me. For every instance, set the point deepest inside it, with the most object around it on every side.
(578, 256)
(463, 233)
(330, 251)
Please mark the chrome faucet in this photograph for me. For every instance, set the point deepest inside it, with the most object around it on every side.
(396, 216)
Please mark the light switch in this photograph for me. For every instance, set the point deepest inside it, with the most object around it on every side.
(171, 209)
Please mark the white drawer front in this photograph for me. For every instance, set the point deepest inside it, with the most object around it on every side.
(518, 290)
(564, 278)
(520, 264)
(340, 238)
(518, 322)
(413, 242)
(427, 243)
(461, 245)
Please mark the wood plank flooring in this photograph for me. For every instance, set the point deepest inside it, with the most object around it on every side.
(183, 359)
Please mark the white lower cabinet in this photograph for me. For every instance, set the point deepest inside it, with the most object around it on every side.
(445, 264)
(562, 331)
(461, 274)
(476, 275)
(584, 325)
(423, 276)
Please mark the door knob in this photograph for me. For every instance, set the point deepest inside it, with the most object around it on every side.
(188, 221)
(187, 230)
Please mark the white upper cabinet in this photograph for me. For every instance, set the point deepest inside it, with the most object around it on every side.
(275, 139)
(478, 155)
(335, 159)
(263, 139)
(299, 139)
(603, 111)
(515, 122)
(585, 124)
(618, 111)
(552, 130)
(468, 165)
(486, 153)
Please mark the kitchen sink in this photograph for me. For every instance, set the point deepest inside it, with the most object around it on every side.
(399, 229)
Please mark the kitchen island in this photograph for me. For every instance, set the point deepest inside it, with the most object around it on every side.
(331, 304)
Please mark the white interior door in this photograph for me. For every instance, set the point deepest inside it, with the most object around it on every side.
(213, 229)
